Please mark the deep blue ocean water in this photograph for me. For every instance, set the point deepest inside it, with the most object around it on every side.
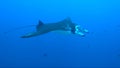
(99, 48)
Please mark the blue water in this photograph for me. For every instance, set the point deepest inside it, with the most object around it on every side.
(99, 48)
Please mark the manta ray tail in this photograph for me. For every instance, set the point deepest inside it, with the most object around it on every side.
(27, 26)
(14, 29)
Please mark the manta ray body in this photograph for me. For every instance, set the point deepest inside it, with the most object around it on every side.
(64, 25)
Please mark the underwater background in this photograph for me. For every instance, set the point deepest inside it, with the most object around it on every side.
(99, 48)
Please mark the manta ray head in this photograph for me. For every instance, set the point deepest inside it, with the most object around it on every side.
(80, 31)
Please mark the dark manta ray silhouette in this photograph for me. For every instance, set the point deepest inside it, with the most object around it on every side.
(65, 25)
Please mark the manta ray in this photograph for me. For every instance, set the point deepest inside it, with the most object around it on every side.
(65, 25)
